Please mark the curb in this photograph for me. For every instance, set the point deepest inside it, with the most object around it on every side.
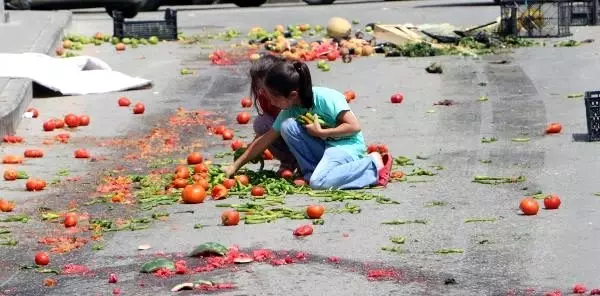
(17, 93)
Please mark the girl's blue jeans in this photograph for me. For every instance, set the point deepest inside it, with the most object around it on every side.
(326, 167)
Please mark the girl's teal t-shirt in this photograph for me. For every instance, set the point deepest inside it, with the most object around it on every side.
(328, 104)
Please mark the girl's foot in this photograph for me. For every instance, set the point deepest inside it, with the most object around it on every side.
(383, 173)
(378, 160)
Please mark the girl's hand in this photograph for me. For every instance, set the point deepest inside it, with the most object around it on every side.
(314, 129)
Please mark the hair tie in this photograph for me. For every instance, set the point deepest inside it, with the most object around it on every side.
(297, 66)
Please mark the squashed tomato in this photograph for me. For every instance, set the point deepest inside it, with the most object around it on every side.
(219, 192)
(10, 175)
(553, 128)
(304, 230)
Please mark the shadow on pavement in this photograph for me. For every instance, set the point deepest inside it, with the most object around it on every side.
(580, 137)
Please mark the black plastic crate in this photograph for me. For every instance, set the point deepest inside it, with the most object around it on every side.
(536, 19)
(592, 112)
(584, 13)
(164, 30)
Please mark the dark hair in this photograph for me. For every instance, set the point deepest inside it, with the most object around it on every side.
(258, 71)
(287, 76)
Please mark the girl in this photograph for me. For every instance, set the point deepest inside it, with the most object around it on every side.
(267, 112)
(329, 158)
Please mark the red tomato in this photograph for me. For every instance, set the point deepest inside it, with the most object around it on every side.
(372, 148)
(180, 183)
(229, 183)
(203, 183)
(71, 120)
(315, 211)
(257, 191)
(81, 153)
(182, 171)
(267, 155)
(227, 135)
(246, 103)
(33, 153)
(12, 139)
(200, 168)
(193, 194)
(230, 218)
(299, 182)
(243, 179)
(219, 129)
(195, 158)
(529, 206)
(237, 144)
(243, 117)
(552, 202)
(49, 125)
(70, 221)
(59, 123)
(139, 108)
(350, 95)
(332, 56)
(382, 149)
(124, 102)
(304, 230)
(41, 258)
(286, 174)
(84, 120)
(397, 98)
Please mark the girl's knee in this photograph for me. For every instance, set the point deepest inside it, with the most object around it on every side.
(289, 127)
(319, 182)
(262, 124)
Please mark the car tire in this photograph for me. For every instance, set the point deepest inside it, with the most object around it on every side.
(203, 2)
(151, 5)
(20, 4)
(249, 3)
(128, 12)
(318, 2)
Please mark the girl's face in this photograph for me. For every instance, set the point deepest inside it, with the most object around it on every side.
(281, 102)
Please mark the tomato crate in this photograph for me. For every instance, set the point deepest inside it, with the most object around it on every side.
(592, 112)
(165, 29)
(536, 19)
(584, 13)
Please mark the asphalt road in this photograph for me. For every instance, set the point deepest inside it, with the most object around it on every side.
(515, 254)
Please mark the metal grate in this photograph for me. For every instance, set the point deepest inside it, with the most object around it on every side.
(536, 19)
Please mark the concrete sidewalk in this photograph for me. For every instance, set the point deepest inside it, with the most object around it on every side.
(26, 31)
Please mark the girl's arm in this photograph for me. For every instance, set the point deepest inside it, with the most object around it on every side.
(255, 149)
(348, 125)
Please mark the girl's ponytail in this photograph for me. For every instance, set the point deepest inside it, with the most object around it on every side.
(304, 84)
